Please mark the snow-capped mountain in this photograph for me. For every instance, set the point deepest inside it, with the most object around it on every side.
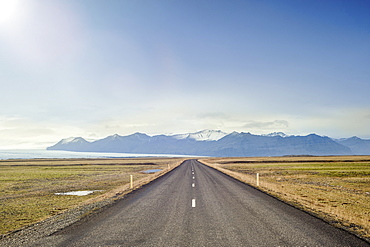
(204, 135)
(281, 134)
(218, 143)
(72, 144)
(73, 140)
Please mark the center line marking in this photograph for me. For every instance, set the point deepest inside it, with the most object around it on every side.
(193, 203)
(193, 185)
(193, 177)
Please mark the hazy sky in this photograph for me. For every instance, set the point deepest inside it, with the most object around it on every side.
(95, 68)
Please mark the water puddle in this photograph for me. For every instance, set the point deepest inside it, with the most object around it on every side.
(77, 193)
(152, 171)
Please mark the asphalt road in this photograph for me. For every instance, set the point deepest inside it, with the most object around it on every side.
(195, 205)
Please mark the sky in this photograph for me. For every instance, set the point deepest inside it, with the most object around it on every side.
(94, 68)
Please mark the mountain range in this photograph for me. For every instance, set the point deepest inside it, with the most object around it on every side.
(219, 144)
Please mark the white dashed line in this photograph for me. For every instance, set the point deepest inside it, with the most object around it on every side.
(193, 185)
(193, 203)
(193, 177)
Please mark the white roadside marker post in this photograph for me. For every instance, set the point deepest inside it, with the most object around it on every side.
(131, 182)
(258, 179)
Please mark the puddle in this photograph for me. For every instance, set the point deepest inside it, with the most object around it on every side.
(77, 193)
(152, 171)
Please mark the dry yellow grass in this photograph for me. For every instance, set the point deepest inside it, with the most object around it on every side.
(335, 188)
(28, 187)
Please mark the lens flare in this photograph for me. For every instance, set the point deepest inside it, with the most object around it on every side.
(8, 10)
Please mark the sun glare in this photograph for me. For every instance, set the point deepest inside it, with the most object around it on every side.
(8, 10)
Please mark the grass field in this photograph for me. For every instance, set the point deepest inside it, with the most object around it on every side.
(335, 188)
(28, 187)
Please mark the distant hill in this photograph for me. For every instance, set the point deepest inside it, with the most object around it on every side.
(357, 145)
(219, 144)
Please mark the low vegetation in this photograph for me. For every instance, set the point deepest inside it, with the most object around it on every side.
(28, 187)
(335, 188)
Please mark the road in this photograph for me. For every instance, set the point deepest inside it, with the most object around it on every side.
(195, 205)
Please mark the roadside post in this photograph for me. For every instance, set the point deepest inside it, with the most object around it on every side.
(131, 182)
(258, 179)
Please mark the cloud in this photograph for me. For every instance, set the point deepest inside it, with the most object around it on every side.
(213, 115)
(22, 133)
(267, 125)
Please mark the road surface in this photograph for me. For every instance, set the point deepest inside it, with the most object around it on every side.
(195, 205)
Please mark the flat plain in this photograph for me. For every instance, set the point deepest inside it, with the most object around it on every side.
(28, 187)
(334, 188)
(217, 211)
